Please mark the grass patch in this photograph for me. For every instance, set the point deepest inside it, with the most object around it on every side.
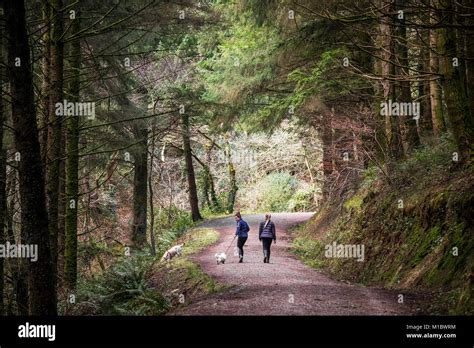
(310, 251)
(181, 280)
(197, 239)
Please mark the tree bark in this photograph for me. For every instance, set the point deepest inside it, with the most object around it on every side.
(326, 138)
(232, 180)
(469, 53)
(150, 189)
(412, 138)
(72, 163)
(55, 128)
(460, 120)
(435, 88)
(45, 87)
(3, 166)
(392, 127)
(34, 217)
(140, 187)
(188, 158)
(18, 267)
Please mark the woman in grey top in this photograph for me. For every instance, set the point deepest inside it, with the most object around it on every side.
(266, 234)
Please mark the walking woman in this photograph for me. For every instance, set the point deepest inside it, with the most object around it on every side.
(242, 234)
(266, 234)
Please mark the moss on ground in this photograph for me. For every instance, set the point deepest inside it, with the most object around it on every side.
(425, 245)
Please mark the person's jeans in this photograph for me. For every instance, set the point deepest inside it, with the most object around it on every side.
(267, 242)
(240, 245)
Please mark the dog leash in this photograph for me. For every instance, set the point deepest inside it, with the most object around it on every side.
(230, 244)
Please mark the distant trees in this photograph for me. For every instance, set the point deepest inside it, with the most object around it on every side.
(412, 55)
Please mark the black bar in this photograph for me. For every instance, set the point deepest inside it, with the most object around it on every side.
(258, 330)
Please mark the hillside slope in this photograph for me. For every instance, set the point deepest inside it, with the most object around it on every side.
(416, 229)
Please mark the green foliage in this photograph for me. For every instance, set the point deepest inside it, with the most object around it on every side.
(301, 200)
(274, 191)
(123, 289)
(171, 224)
(309, 250)
(353, 202)
(241, 63)
(238, 66)
(433, 157)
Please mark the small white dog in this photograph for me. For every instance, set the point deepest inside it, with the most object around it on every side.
(172, 252)
(220, 258)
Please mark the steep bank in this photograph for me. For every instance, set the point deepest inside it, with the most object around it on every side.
(416, 228)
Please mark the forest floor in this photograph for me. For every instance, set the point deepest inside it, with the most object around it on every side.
(285, 286)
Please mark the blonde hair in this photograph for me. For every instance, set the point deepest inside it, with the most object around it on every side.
(268, 216)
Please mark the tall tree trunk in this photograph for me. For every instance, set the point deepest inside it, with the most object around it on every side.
(212, 190)
(72, 163)
(205, 202)
(232, 194)
(425, 123)
(379, 138)
(61, 211)
(469, 53)
(392, 123)
(460, 120)
(188, 158)
(140, 187)
(412, 138)
(18, 267)
(435, 88)
(55, 131)
(3, 201)
(208, 189)
(150, 189)
(34, 217)
(326, 138)
(3, 165)
(45, 87)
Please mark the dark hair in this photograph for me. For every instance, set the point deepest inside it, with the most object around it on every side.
(238, 215)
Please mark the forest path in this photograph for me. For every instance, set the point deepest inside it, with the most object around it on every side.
(285, 286)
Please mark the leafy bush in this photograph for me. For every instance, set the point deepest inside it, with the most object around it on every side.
(301, 200)
(171, 224)
(123, 289)
(432, 157)
(274, 191)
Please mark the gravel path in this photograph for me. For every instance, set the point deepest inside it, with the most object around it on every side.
(286, 286)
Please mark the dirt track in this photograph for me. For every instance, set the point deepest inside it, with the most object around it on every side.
(286, 286)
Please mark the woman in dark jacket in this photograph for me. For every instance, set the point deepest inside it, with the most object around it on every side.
(266, 234)
(242, 232)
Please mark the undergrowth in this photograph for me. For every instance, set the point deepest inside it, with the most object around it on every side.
(140, 283)
(416, 228)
